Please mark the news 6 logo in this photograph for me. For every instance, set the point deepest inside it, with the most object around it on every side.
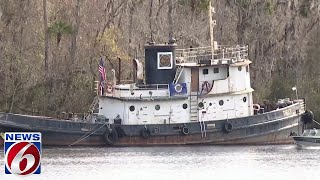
(22, 153)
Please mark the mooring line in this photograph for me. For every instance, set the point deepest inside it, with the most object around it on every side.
(81, 139)
(316, 122)
(87, 132)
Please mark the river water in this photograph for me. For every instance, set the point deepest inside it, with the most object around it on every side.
(182, 162)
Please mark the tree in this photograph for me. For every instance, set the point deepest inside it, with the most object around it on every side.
(73, 48)
(170, 21)
(46, 35)
(59, 28)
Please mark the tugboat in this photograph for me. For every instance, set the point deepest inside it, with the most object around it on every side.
(197, 95)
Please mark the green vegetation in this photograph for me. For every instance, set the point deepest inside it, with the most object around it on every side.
(196, 5)
(59, 28)
(244, 3)
(304, 8)
(280, 88)
(270, 7)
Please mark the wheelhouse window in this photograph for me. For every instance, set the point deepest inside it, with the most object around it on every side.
(165, 60)
(205, 71)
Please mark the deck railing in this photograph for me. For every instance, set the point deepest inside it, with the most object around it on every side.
(222, 54)
(141, 91)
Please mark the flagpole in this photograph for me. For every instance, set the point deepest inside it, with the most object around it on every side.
(211, 31)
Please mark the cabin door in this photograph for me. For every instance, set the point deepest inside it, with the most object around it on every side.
(194, 79)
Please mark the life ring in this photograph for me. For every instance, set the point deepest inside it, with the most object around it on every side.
(111, 136)
(256, 107)
(307, 117)
(227, 127)
(109, 88)
(185, 130)
(178, 88)
(145, 133)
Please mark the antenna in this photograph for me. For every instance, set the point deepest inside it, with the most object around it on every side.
(212, 23)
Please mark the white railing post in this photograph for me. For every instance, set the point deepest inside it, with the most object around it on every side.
(223, 54)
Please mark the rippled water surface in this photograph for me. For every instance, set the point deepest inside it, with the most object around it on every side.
(183, 162)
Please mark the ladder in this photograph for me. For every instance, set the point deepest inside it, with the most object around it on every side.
(178, 72)
(94, 104)
(194, 106)
(92, 107)
(202, 127)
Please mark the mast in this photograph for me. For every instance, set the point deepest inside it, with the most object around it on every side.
(211, 25)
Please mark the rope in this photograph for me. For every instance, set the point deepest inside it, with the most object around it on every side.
(81, 139)
(316, 122)
(87, 132)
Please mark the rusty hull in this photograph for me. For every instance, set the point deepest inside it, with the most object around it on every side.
(214, 138)
(269, 128)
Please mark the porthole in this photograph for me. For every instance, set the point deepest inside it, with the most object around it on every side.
(210, 104)
(157, 107)
(132, 108)
(200, 104)
(240, 68)
(244, 99)
(221, 102)
(184, 106)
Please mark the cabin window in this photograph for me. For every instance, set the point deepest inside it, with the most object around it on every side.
(244, 99)
(221, 102)
(210, 104)
(157, 107)
(185, 106)
(240, 68)
(215, 70)
(132, 108)
(205, 71)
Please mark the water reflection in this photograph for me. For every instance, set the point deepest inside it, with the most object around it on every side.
(183, 162)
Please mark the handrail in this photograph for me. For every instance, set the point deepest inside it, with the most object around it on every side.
(151, 86)
(143, 89)
(222, 53)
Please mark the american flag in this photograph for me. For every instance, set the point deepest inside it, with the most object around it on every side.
(102, 71)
